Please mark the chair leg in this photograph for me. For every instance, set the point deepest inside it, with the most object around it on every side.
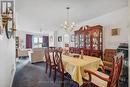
(46, 67)
(50, 71)
(62, 82)
(117, 84)
(54, 74)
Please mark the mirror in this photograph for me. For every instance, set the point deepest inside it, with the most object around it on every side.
(8, 29)
(7, 17)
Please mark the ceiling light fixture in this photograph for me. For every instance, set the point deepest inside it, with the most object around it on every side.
(68, 26)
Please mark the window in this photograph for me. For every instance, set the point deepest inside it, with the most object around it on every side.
(38, 42)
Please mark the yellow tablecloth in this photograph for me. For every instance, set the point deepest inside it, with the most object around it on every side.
(75, 66)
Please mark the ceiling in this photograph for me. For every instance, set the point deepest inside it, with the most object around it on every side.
(50, 14)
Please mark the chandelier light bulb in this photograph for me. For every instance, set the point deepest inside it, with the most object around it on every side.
(66, 23)
(72, 26)
(1, 37)
(73, 23)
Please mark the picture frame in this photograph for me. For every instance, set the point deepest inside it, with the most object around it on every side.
(115, 31)
(59, 38)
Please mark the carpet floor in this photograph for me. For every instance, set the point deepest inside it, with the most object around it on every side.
(33, 75)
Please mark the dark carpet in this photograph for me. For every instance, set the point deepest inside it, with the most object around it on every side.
(33, 75)
(21, 62)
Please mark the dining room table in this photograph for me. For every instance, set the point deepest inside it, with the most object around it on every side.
(75, 65)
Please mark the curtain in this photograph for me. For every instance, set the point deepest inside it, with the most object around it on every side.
(28, 41)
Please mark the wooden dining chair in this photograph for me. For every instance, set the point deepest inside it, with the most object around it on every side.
(102, 80)
(87, 52)
(58, 65)
(49, 60)
(94, 54)
(108, 58)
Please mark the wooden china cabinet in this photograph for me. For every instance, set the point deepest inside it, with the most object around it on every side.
(90, 39)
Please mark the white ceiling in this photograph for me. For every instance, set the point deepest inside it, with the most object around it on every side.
(50, 14)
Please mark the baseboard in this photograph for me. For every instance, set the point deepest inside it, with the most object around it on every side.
(13, 74)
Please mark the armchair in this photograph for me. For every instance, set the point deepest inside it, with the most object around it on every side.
(37, 55)
(102, 80)
(22, 52)
(49, 60)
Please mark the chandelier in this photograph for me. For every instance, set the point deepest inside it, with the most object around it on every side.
(68, 26)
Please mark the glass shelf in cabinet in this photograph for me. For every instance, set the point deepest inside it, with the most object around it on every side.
(87, 43)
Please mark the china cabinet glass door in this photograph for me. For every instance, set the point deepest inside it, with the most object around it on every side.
(76, 41)
(88, 40)
(81, 40)
(100, 43)
(95, 40)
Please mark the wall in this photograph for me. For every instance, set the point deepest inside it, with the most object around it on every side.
(55, 39)
(7, 61)
(65, 38)
(51, 39)
(22, 39)
(116, 19)
(24, 23)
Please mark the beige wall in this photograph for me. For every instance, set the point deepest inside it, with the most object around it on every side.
(7, 61)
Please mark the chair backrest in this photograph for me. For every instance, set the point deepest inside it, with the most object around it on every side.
(109, 54)
(86, 52)
(57, 59)
(94, 54)
(47, 56)
(116, 69)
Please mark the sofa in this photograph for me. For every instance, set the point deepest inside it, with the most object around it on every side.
(37, 55)
(22, 52)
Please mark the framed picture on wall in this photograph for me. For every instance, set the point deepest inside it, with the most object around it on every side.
(59, 38)
(115, 31)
